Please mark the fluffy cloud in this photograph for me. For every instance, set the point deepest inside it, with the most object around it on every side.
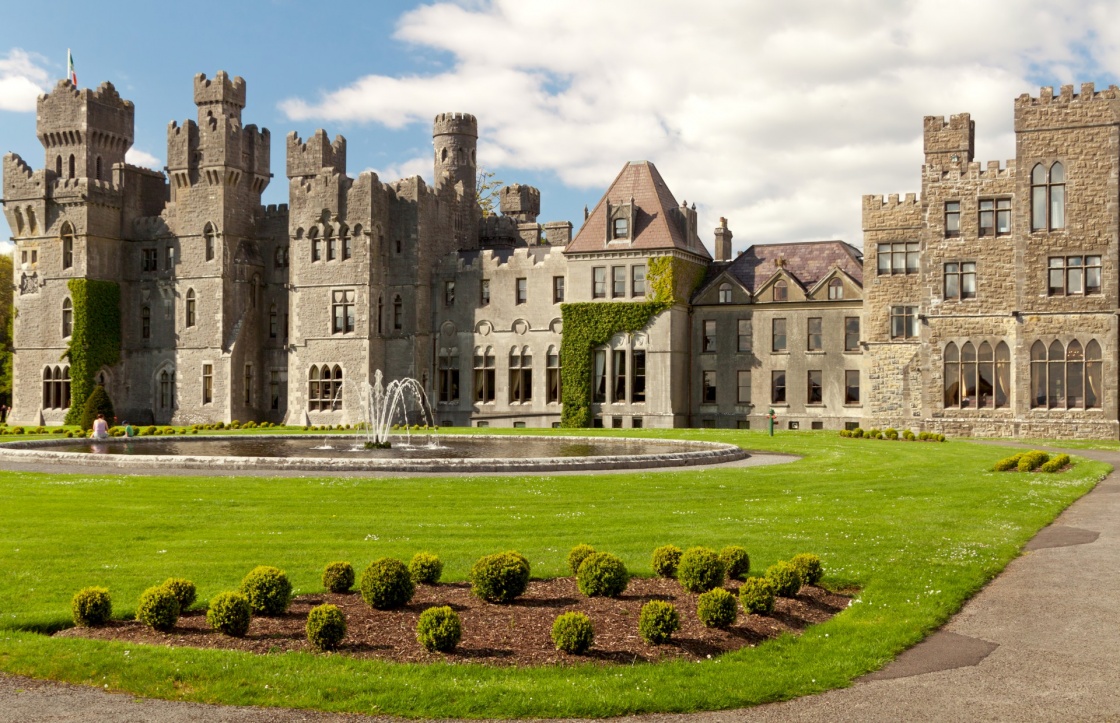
(22, 79)
(137, 157)
(776, 115)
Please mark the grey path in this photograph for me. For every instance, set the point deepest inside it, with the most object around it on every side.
(1041, 642)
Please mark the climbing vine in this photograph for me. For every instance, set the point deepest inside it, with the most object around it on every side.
(95, 340)
(672, 280)
(586, 326)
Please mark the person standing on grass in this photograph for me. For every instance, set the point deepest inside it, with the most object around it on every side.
(100, 428)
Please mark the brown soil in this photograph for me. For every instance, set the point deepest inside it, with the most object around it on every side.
(516, 634)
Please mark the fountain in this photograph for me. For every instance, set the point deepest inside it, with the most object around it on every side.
(379, 404)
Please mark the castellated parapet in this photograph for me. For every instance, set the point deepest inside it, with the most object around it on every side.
(950, 141)
(84, 132)
(892, 212)
(317, 155)
(220, 91)
(461, 124)
(1067, 110)
(522, 203)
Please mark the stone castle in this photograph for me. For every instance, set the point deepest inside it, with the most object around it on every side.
(985, 305)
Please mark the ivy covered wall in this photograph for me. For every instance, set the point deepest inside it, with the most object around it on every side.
(95, 340)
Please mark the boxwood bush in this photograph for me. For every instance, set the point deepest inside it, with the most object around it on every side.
(183, 590)
(1056, 463)
(736, 561)
(602, 575)
(1007, 463)
(717, 608)
(500, 578)
(665, 560)
(425, 568)
(326, 627)
(577, 555)
(1032, 460)
(700, 570)
(808, 567)
(338, 577)
(158, 608)
(757, 595)
(786, 578)
(229, 613)
(658, 621)
(387, 584)
(91, 606)
(268, 590)
(573, 633)
(439, 629)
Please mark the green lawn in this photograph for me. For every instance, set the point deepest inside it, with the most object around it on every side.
(918, 527)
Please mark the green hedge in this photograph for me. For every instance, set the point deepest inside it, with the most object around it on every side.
(95, 340)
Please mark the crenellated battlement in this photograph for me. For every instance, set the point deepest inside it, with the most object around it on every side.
(463, 124)
(147, 228)
(892, 212)
(874, 202)
(975, 171)
(316, 155)
(219, 90)
(15, 166)
(520, 202)
(951, 141)
(1066, 95)
(275, 211)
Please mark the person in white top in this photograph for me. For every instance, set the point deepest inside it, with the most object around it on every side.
(100, 428)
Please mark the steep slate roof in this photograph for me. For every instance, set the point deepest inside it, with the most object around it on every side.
(658, 223)
(808, 262)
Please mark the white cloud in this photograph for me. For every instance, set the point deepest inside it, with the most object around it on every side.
(137, 157)
(776, 115)
(22, 79)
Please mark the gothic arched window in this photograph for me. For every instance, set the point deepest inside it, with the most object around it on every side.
(67, 245)
(67, 318)
(190, 308)
(1048, 197)
(725, 293)
(836, 289)
(781, 291)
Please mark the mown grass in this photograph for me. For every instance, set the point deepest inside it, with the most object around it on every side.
(917, 527)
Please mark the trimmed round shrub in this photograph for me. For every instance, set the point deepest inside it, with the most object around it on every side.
(387, 584)
(500, 578)
(736, 561)
(577, 556)
(268, 590)
(91, 606)
(439, 629)
(890, 433)
(229, 613)
(326, 627)
(700, 570)
(857, 433)
(665, 560)
(908, 435)
(1032, 460)
(717, 608)
(338, 577)
(97, 402)
(1007, 463)
(786, 578)
(658, 621)
(425, 568)
(158, 608)
(602, 575)
(183, 590)
(572, 633)
(1056, 463)
(757, 595)
(808, 567)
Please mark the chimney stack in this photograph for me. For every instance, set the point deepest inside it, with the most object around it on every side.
(723, 241)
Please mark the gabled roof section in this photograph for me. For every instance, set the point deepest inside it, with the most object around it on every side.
(807, 262)
(659, 222)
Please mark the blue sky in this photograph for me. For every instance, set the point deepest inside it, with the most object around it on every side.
(777, 116)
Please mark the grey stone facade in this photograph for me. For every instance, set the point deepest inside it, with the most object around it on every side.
(234, 310)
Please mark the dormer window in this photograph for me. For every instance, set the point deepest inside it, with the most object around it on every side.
(621, 228)
(725, 293)
(781, 292)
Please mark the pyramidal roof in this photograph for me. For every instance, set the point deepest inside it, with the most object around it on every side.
(658, 220)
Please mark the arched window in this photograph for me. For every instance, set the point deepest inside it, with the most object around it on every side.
(398, 313)
(332, 243)
(952, 377)
(1056, 375)
(520, 375)
(313, 388)
(48, 388)
(145, 322)
(553, 362)
(781, 291)
(336, 387)
(1075, 376)
(725, 293)
(56, 387)
(1048, 197)
(273, 321)
(1003, 376)
(65, 385)
(985, 376)
(344, 236)
(449, 375)
(484, 374)
(1038, 375)
(1093, 375)
(208, 236)
(72, 165)
(67, 318)
(968, 375)
(316, 251)
(58, 166)
(166, 389)
(835, 289)
(190, 311)
(67, 245)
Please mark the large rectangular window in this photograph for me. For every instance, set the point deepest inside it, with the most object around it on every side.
(708, 390)
(778, 335)
(342, 312)
(1074, 275)
(520, 377)
(960, 280)
(638, 280)
(709, 335)
(851, 333)
(815, 336)
(638, 384)
(599, 282)
(851, 386)
(553, 376)
(952, 219)
(744, 344)
(898, 258)
(904, 322)
(149, 260)
(995, 216)
(778, 387)
(814, 393)
(599, 369)
(448, 376)
(557, 289)
(484, 376)
(744, 386)
(207, 383)
(522, 291)
(618, 282)
(618, 373)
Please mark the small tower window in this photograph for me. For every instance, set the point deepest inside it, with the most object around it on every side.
(146, 322)
(97, 173)
(621, 228)
(190, 308)
(398, 313)
(67, 319)
(67, 246)
(208, 235)
(58, 166)
(72, 165)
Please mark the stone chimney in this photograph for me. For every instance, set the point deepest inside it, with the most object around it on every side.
(723, 241)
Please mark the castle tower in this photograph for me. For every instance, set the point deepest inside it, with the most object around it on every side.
(455, 136)
(951, 142)
(84, 132)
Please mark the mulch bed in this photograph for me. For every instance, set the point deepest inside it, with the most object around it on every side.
(516, 634)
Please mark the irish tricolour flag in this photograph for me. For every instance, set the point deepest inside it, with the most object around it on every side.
(70, 67)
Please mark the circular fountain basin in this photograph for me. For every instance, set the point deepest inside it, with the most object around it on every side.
(420, 453)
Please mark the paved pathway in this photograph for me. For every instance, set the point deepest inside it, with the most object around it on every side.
(1041, 642)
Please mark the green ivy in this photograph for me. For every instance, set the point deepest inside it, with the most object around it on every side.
(586, 326)
(95, 340)
(673, 280)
